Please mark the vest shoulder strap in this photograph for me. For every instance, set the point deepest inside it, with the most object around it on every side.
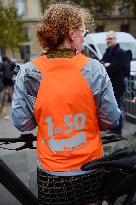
(82, 60)
(42, 62)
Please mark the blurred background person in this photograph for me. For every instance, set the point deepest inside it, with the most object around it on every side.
(117, 65)
(7, 74)
(1, 74)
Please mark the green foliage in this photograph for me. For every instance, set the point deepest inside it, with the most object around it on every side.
(45, 3)
(11, 27)
(103, 6)
(134, 6)
(99, 6)
(102, 3)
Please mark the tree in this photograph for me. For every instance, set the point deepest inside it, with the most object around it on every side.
(125, 7)
(11, 34)
(45, 3)
(128, 7)
(101, 6)
(134, 7)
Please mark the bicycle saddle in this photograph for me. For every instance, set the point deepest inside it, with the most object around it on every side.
(121, 159)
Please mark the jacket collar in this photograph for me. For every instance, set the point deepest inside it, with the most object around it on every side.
(117, 46)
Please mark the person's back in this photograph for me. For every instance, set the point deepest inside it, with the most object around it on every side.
(67, 129)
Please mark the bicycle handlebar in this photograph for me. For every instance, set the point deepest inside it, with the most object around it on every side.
(108, 138)
(22, 138)
(28, 140)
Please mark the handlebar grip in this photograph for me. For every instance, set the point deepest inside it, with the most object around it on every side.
(21, 148)
(108, 138)
(28, 144)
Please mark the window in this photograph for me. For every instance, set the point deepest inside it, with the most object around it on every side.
(25, 52)
(25, 32)
(20, 6)
(124, 28)
(99, 28)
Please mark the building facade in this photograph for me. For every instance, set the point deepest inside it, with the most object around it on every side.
(117, 18)
(31, 13)
(30, 10)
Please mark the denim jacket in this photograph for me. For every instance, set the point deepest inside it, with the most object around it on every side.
(26, 88)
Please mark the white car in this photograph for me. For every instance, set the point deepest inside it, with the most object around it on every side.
(95, 45)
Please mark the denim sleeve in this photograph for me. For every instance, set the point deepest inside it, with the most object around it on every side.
(100, 84)
(24, 97)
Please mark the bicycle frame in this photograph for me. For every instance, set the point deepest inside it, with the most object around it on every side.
(19, 189)
(16, 186)
(9, 180)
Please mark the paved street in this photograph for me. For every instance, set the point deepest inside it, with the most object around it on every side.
(23, 163)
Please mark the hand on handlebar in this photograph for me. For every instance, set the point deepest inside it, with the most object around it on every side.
(28, 141)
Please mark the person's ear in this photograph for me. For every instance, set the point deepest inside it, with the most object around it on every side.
(71, 34)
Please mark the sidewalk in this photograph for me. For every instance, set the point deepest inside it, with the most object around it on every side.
(23, 163)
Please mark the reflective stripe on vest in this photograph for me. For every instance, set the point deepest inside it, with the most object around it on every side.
(65, 111)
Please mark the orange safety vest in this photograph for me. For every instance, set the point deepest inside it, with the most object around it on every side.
(65, 111)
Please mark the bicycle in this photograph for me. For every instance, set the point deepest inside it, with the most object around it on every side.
(110, 166)
(8, 178)
(119, 174)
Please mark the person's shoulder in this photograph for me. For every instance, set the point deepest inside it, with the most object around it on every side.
(21, 67)
(26, 68)
(95, 67)
(121, 50)
(95, 62)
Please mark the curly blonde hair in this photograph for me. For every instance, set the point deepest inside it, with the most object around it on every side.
(56, 22)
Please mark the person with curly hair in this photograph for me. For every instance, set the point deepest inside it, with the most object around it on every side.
(69, 97)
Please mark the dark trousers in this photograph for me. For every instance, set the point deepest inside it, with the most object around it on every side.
(118, 130)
